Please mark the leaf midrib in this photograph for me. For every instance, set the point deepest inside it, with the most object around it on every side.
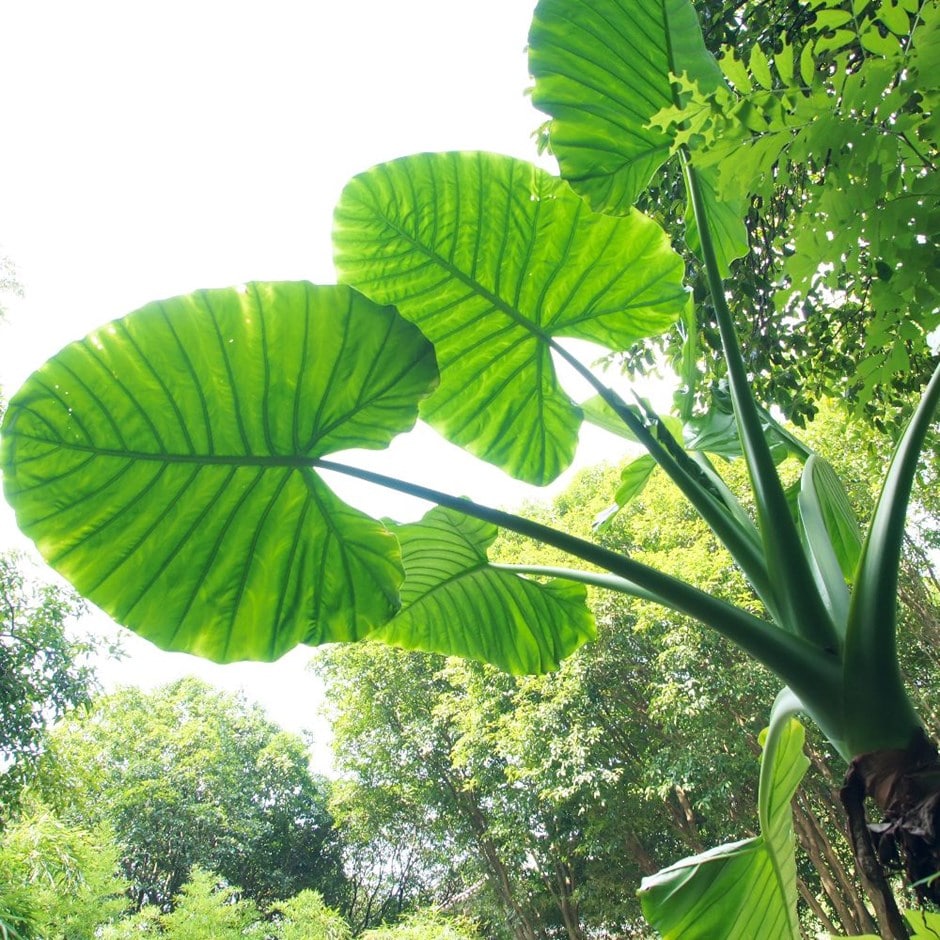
(298, 461)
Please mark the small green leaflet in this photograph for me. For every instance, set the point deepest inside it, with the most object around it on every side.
(163, 465)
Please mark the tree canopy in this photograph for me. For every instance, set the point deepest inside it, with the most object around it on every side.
(189, 776)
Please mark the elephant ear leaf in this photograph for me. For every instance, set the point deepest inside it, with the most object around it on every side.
(165, 465)
(603, 70)
(744, 889)
(493, 259)
(454, 602)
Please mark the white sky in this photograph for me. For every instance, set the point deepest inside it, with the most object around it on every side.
(152, 148)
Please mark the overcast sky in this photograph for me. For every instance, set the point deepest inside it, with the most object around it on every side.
(152, 148)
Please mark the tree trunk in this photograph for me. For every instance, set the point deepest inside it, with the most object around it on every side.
(838, 887)
(817, 908)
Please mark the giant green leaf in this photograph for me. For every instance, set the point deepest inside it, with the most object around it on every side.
(163, 464)
(746, 889)
(454, 602)
(492, 258)
(602, 71)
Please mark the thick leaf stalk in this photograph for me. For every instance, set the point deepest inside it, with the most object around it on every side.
(803, 609)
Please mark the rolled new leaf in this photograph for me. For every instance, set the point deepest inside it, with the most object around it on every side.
(163, 465)
(493, 259)
(745, 889)
(453, 602)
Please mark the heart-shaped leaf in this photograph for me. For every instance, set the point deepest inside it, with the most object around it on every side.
(603, 69)
(492, 258)
(163, 464)
(454, 603)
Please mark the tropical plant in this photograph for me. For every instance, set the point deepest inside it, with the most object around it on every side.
(171, 464)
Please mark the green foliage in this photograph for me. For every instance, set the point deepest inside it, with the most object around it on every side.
(205, 910)
(44, 673)
(829, 133)
(188, 776)
(305, 916)
(425, 925)
(58, 882)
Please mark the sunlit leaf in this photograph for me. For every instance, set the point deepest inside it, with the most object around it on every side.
(602, 71)
(454, 603)
(163, 464)
(493, 259)
(745, 889)
(633, 479)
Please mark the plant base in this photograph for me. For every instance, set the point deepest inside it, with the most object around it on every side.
(905, 785)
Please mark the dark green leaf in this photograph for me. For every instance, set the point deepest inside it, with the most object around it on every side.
(454, 603)
(492, 258)
(163, 465)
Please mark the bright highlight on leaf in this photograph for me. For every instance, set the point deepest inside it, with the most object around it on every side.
(492, 259)
(453, 602)
(164, 465)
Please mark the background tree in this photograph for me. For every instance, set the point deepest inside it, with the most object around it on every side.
(44, 673)
(186, 776)
(839, 291)
(640, 749)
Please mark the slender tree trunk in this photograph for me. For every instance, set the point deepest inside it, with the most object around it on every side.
(571, 918)
(813, 904)
(838, 888)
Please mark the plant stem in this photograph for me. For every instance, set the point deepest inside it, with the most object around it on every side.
(803, 608)
(813, 674)
(885, 717)
(740, 540)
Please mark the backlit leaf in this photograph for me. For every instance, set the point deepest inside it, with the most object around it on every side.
(454, 603)
(493, 259)
(602, 71)
(164, 464)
